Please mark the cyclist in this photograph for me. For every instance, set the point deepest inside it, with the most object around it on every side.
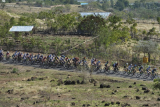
(140, 69)
(130, 67)
(83, 61)
(1, 54)
(62, 59)
(134, 69)
(98, 64)
(153, 72)
(7, 55)
(75, 61)
(115, 66)
(148, 70)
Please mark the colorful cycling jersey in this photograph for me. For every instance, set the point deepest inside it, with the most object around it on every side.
(148, 69)
(98, 63)
(129, 67)
(153, 71)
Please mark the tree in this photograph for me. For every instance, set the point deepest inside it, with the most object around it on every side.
(105, 5)
(112, 3)
(121, 4)
(91, 24)
(152, 32)
(158, 20)
(148, 47)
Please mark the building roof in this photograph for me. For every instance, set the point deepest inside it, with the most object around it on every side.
(103, 14)
(21, 28)
(84, 4)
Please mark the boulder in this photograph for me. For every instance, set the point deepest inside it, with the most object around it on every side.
(107, 104)
(33, 78)
(112, 103)
(10, 91)
(158, 99)
(78, 82)
(147, 91)
(137, 97)
(52, 80)
(118, 102)
(144, 88)
(145, 104)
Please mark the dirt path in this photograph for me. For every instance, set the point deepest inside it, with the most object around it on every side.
(111, 74)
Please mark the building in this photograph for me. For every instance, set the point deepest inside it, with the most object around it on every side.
(103, 14)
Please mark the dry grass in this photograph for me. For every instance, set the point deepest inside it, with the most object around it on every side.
(47, 93)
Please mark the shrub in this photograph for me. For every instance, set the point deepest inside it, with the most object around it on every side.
(156, 84)
(15, 70)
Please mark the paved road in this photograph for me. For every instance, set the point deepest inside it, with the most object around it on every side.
(111, 74)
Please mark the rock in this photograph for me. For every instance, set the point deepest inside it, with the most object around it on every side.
(73, 98)
(36, 102)
(118, 102)
(144, 88)
(24, 98)
(107, 104)
(10, 91)
(78, 82)
(17, 106)
(118, 87)
(134, 83)
(33, 78)
(113, 93)
(73, 82)
(88, 105)
(102, 85)
(108, 86)
(52, 80)
(115, 90)
(137, 90)
(83, 105)
(82, 82)
(152, 92)
(29, 80)
(130, 86)
(103, 101)
(137, 97)
(146, 91)
(158, 99)
(145, 104)
(95, 84)
(73, 104)
(126, 96)
(112, 103)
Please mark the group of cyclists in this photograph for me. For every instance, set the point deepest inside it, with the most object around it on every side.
(53, 59)
(131, 69)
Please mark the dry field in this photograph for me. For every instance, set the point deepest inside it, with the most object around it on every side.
(34, 87)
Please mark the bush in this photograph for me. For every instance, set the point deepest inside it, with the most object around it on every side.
(156, 85)
(15, 70)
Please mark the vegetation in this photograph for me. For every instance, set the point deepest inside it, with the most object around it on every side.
(38, 87)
